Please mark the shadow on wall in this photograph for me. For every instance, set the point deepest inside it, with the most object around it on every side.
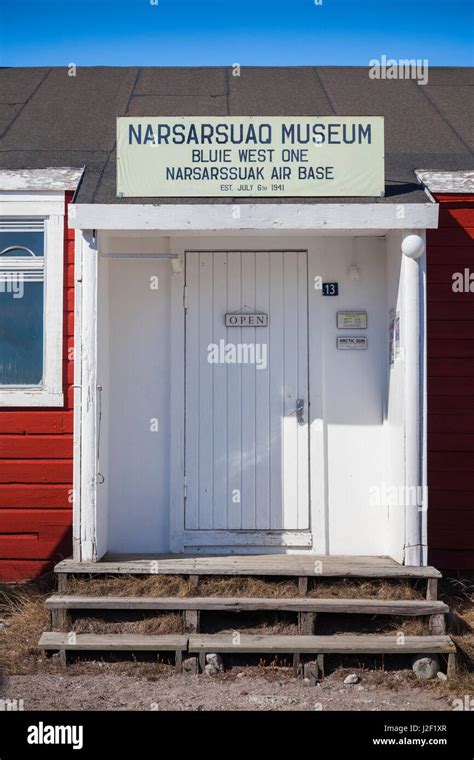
(19, 570)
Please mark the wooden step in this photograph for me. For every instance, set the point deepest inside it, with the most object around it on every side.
(317, 647)
(113, 641)
(200, 644)
(404, 607)
(336, 644)
(116, 642)
(270, 565)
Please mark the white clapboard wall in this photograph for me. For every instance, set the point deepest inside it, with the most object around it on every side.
(246, 452)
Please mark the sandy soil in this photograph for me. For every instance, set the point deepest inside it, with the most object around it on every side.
(239, 690)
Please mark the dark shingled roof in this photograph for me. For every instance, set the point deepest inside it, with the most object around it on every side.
(48, 118)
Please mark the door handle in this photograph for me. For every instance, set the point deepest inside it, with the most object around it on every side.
(300, 411)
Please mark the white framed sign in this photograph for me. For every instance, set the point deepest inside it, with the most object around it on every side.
(246, 320)
(351, 320)
(267, 156)
(352, 343)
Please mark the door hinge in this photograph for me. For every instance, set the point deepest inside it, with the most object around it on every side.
(185, 487)
(185, 297)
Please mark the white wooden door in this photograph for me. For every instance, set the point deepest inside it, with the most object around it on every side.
(246, 400)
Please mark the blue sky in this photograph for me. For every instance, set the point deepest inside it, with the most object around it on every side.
(222, 32)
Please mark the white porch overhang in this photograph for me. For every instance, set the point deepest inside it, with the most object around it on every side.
(298, 218)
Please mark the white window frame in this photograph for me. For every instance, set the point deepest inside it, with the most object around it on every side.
(51, 207)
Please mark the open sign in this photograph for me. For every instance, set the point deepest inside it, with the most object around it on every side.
(246, 320)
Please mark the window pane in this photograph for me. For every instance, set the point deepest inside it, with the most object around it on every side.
(21, 303)
(21, 335)
(21, 243)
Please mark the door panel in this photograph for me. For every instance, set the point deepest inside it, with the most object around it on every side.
(247, 456)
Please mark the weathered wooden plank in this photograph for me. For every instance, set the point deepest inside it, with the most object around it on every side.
(452, 664)
(296, 664)
(303, 585)
(306, 623)
(409, 607)
(447, 182)
(59, 179)
(320, 662)
(36, 446)
(341, 644)
(437, 625)
(274, 559)
(193, 581)
(191, 621)
(277, 538)
(59, 618)
(112, 642)
(432, 589)
(267, 565)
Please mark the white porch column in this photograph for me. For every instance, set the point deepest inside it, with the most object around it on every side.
(415, 350)
(423, 438)
(85, 444)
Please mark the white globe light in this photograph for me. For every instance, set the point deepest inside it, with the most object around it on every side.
(413, 246)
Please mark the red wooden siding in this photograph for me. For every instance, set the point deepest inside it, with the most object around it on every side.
(450, 249)
(36, 466)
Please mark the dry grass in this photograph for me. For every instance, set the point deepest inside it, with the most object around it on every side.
(410, 626)
(366, 589)
(265, 626)
(22, 609)
(167, 622)
(461, 683)
(245, 586)
(171, 585)
(458, 593)
(129, 585)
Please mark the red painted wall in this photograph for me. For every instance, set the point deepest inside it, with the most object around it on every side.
(36, 466)
(450, 249)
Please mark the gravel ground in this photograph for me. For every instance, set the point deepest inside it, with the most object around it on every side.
(248, 690)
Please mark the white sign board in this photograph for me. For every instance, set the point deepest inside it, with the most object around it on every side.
(246, 320)
(349, 343)
(351, 320)
(265, 156)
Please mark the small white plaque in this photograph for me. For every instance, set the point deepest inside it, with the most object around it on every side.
(351, 320)
(246, 320)
(351, 342)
